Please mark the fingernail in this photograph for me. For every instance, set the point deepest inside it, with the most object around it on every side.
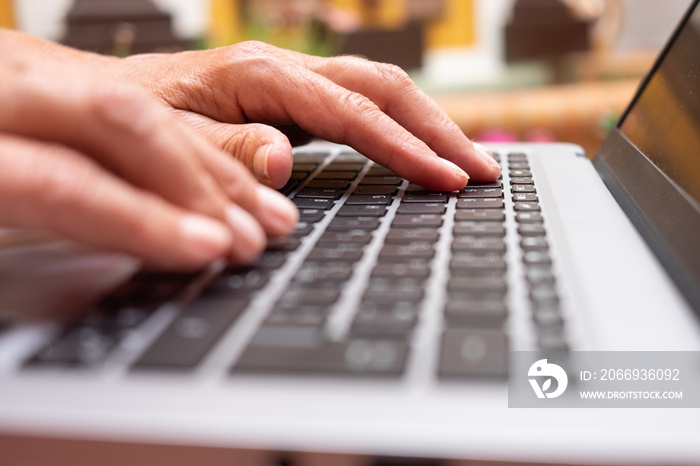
(204, 238)
(248, 236)
(484, 153)
(280, 214)
(456, 170)
(260, 161)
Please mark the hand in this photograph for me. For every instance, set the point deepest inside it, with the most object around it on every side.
(373, 107)
(102, 162)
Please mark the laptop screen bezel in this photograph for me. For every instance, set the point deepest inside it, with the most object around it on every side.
(666, 216)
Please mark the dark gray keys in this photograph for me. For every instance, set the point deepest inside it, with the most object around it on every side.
(190, 336)
(476, 313)
(313, 203)
(350, 223)
(479, 215)
(417, 220)
(426, 196)
(470, 353)
(421, 208)
(480, 203)
(480, 192)
(407, 235)
(362, 210)
(369, 199)
(354, 357)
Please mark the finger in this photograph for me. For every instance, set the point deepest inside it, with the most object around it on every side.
(121, 127)
(265, 151)
(47, 186)
(399, 97)
(319, 106)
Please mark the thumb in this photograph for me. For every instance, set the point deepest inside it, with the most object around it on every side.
(265, 150)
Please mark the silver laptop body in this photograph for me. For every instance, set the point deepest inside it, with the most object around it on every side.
(394, 344)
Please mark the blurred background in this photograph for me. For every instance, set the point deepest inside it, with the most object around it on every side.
(539, 70)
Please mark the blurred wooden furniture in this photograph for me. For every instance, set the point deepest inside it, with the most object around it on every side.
(569, 113)
(119, 27)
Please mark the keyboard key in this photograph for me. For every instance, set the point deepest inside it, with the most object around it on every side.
(425, 196)
(230, 283)
(412, 268)
(350, 252)
(519, 172)
(417, 220)
(287, 244)
(372, 189)
(288, 336)
(489, 184)
(401, 252)
(470, 284)
(358, 223)
(539, 276)
(369, 199)
(381, 180)
(344, 167)
(521, 180)
(421, 208)
(479, 229)
(473, 352)
(526, 206)
(324, 193)
(313, 272)
(476, 313)
(464, 261)
(470, 192)
(524, 197)
(536, 258)
(79, 346)
(534, 243)
(522, 188)
(328, 184)
(309, 314)
(311, 215)
(378, 170)
(407, 235)
(529, 217)
(478, 245)
(304, 167)
(348, 236)
(384, 324)
(190, 336)
(531, 229)
(478, 215)
(362, 210)
(354, 357)
(311, 296)
(326, 174)
(480, 203)
(313, 203)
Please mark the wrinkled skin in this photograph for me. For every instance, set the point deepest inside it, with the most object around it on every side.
(166, 157)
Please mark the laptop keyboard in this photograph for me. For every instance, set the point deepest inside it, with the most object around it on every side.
(373, 259)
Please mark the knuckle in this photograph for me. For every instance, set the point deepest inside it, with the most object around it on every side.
(393, 74)
(67, 184)
(123, 107)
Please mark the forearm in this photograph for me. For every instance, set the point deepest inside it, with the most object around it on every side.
(17, 44)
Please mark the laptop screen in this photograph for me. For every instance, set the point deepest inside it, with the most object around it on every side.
(650, 162)
(664, 122)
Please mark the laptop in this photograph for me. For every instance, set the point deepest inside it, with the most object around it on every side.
(381, 330)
